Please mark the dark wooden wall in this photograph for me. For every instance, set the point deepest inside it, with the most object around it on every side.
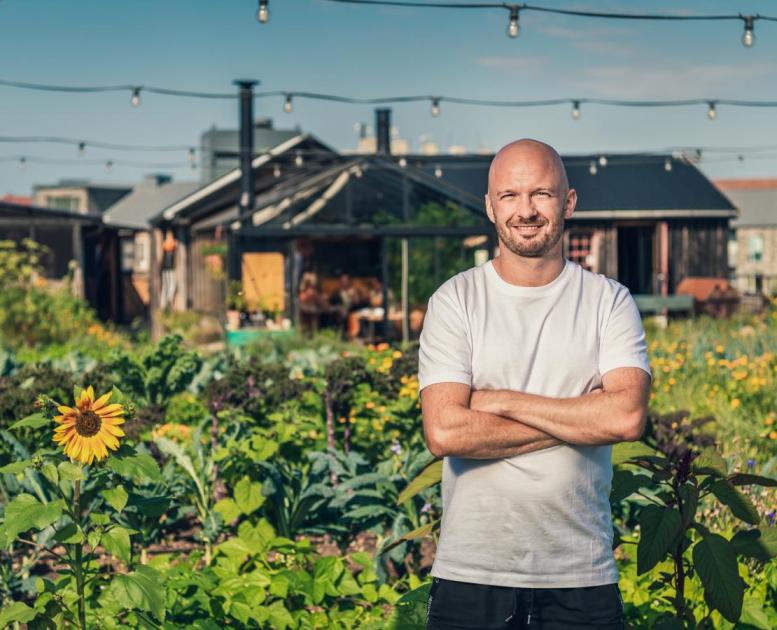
(697, 247)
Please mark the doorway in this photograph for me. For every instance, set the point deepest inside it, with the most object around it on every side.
(636, 245)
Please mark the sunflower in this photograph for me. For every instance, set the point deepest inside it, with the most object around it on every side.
(89, 429)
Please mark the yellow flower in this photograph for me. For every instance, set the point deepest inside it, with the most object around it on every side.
(89, 429)
(735, 403)
(773, 435)
(719, 349)
(396, 354)
(370, 405)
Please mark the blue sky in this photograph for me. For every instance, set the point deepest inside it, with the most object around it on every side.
(313, 45)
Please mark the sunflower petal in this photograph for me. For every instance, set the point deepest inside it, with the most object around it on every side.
(68, 411)
(109, 440)
(111, 409)
(100, 402)
(90, 393)
(113, 420)
(113, 429)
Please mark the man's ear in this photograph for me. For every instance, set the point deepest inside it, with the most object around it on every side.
(571, 202)
(489, 209)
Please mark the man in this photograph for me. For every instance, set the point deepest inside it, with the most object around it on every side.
(530, 367)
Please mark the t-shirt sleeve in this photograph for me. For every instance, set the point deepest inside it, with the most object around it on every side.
(445, 354)
(623, 342)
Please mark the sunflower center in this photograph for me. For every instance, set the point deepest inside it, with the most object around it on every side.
(88, 423)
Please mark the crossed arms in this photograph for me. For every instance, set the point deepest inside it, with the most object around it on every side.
(491, 424)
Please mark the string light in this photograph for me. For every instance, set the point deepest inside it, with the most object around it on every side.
(575, 110)
(592, 167)
(263, 15)
(298, 159)
(513, 27)
(276, 171)
(402, 162)
(435, 106)
(287, 105)
(109, 166)
(81, 148)
(192, 155)
(438, 171)
(602, 161)
(135, 100)
(712, 113)
(748, 37)
(668, 165)
(22, 163)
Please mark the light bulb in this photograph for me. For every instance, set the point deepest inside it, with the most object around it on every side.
(191, 155)
(513, 28)
(287, 105)
(298, 160)
(276, 171)
(712, 112)
(22, 163)
(358, 172)
(109, 166)
(435, 107)
(602, 161)
(592, 167)
(81, 148)
(402, 162)
(135, 100)
(667, 165)
(575, 110)
(264, 12)
(748, 38)
(438, 171)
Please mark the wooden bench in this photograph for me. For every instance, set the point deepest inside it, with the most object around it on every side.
(657, 304)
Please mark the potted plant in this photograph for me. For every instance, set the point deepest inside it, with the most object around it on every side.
(214, 254)
(236, 304)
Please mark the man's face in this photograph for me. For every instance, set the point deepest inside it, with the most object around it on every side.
(528, 200)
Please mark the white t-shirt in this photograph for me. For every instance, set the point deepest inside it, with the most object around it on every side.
(541, 519)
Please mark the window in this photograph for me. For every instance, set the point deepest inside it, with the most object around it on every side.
(755, 248)
(141, 252)
(580, 249)
(62, 203)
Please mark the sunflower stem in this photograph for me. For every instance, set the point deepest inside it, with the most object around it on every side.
(78, 569)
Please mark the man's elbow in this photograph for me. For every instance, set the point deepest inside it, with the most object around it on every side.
(435, 442)
(633, 426)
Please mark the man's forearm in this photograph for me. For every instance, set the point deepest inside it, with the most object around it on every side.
(593, 418)
(477, 434)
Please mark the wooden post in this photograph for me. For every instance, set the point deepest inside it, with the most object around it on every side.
(385, 277)
(182, 264)
(155, 283)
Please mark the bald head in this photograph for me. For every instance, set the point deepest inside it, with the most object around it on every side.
(531, 156)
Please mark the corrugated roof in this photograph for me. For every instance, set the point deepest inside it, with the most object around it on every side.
(145, 201)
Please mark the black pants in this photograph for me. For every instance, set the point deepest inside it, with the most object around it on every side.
(464, 606)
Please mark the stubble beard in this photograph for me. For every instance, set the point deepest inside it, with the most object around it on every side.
(535, 247)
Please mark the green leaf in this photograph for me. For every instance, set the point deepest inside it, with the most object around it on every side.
(153, 507)
(117, 543)
(624, 451)
(248, 495)
(139, 467)
(737, 502)
(93, 538)
(16, 612)
(715, 562)
(70, 472)
(116, 497)
(690, 497)
(26, 512)
(16, 467)
(418, 532)
(35, 421)
(753, 614)
(429, 476)
(756, 543)
(70, 534)
(143, 589)
(50, 472)
(746, 479)
(626, 483)
(228, 510)
(710, 462)
(659, 528)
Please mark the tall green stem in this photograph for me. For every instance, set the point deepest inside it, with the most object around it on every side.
(78, 549)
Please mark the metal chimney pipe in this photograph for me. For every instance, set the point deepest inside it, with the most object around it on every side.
(246, 200)
(383, 131)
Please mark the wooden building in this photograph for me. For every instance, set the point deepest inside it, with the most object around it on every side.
(647, 221)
